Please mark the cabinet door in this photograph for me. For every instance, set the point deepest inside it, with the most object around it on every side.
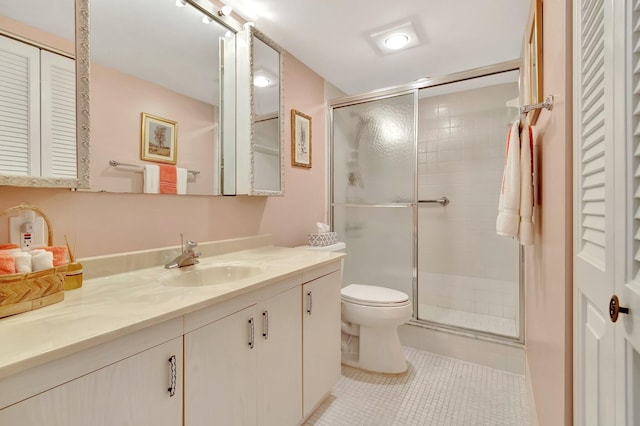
(133, 391)
(279, 344)
(321, 338)
(220, 368)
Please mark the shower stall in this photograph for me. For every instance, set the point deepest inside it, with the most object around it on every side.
(415, 179)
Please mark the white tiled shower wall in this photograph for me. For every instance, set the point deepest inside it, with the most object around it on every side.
(463, 264)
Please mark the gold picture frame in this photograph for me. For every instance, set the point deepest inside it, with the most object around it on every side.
(300, 139)
(533, 86)
(159, 139)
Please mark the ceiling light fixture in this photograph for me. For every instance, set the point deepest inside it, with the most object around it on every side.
(225, 10)
(181, 3)
(249, 24)
(261, 81)
(206, 19)
(395, 38)
(396, 41)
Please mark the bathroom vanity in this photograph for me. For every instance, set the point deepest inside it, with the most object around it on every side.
(251, 335)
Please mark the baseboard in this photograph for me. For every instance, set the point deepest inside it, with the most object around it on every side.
(533, 413)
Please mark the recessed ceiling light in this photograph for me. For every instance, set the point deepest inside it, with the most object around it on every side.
(395, 37)
(396, 41)
(261, 81)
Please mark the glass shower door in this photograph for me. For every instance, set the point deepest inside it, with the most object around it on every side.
(373, 190)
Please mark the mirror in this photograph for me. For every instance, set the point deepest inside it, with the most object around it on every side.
(260, 166)
(151, 58)
(44, 98)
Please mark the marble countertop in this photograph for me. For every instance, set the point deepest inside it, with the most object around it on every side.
(112, 306)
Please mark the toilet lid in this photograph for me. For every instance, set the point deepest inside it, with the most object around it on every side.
(373, 295)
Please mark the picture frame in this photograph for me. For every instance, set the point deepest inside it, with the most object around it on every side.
(300, 139)
(159, 139)
(533, 87)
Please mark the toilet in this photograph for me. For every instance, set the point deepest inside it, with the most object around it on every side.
(370, 319)
(371, 315)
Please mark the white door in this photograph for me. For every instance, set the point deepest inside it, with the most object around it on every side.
(606, 201)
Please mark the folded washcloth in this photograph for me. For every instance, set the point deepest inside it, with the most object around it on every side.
(59, 254)
(7, 264)
(23, 262)
(42, 260)
(168, 179)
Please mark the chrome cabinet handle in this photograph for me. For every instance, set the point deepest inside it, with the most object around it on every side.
(309, 303)
(173, 372)
(251, 331)
(265, 325)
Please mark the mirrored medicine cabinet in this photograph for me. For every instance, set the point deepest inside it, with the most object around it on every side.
(44, 95)
(260, 133)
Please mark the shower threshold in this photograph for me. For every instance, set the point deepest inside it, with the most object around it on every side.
(469, 320)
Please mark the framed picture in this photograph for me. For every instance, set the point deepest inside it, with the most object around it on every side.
(300, 139)
(159, 138)
(533, 60)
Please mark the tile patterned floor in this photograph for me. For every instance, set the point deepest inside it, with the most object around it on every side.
(436, 390)
(470, 320)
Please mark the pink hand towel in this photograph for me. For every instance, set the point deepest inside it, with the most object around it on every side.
(525, 234)
(168, 179)
(7, 264)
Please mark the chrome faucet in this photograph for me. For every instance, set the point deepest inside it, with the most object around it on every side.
(188, 256)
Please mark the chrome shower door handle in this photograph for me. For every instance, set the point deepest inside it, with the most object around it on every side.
(443, 201)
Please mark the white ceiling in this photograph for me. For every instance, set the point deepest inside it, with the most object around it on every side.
(329, 36)
(332, 36)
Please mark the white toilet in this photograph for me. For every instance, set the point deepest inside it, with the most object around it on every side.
(370, 319)
(372, 315)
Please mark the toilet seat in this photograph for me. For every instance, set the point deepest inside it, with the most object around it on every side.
(369, 295)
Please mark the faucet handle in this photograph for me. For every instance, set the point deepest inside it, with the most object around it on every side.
(190, 245)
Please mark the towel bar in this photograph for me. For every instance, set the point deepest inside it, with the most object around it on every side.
(117, 163)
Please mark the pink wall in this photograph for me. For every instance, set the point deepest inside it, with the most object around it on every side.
(304, 204)
(117, 100)
(109, 223)
(548, 264)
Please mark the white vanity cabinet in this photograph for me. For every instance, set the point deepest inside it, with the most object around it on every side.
(134, 391)
(321, 343)
(246, 368)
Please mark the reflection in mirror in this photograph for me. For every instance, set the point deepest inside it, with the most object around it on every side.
(38, 101)
(152, 57)
(260, 169)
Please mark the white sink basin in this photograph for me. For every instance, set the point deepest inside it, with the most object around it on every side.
(206, 275)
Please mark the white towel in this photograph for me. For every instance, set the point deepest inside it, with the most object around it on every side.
(40, 261)
(23, 262)
(526, 186)
(181, 181)
(151, 183)
(509, 203)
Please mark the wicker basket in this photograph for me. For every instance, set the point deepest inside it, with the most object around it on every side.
(32, 290)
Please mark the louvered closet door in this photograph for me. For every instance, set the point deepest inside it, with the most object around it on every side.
(593, 211)
(58, 79)
(19, 108)
(627, 210)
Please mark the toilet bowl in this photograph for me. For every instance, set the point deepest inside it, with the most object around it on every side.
(372, 314)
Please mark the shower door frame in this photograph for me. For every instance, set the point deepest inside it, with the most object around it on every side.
(414, 88)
